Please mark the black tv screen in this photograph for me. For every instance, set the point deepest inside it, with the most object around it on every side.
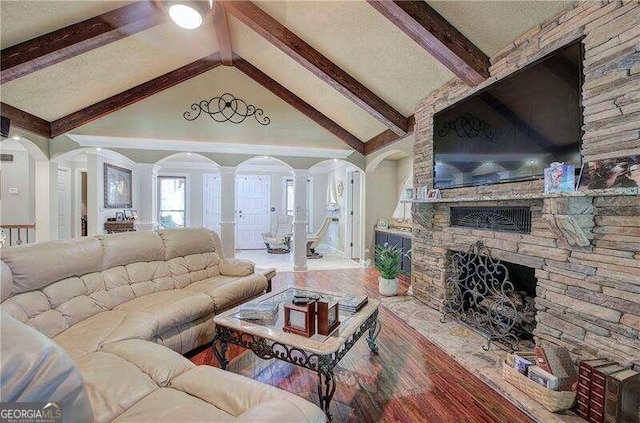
(513, 129)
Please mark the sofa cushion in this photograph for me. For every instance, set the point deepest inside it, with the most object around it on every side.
(113, 384)
(171, 308)
(166, 405)
(131, 247)
(227, 291)
(236, 267)
(186, 241)
(35, 266)
(212, 385)
(159, 363)
(101, 329)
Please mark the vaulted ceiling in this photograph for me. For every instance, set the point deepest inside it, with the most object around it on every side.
(355, 72)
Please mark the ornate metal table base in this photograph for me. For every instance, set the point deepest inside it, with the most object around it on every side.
(323, 364)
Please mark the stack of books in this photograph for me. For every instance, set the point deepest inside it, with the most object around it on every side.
(608, 392)
(258, 311)
(352, 303)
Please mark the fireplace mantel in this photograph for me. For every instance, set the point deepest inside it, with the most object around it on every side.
(611, 192)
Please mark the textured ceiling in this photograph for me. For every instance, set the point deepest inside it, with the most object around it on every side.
(94, 76)
(364, 43)
(303, 83)
(160, 116)
(36, 18)
(491, 25)
(350, 33)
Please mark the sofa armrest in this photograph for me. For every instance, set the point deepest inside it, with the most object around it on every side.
(236, 267)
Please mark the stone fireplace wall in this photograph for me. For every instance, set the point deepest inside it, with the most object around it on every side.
(588, 297)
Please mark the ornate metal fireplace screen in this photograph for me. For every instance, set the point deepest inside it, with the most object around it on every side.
(479, 293)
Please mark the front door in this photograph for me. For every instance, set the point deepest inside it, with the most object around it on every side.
(252, 211)
(212, 202)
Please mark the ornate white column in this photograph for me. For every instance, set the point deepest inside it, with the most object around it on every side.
(300, 215)
(147, 188)
(95, 223)
(46, 200)
(228, 209)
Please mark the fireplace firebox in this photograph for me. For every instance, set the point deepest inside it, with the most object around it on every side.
(494, 297)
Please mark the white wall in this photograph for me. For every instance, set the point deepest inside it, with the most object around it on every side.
(17, 208)
(381, 199)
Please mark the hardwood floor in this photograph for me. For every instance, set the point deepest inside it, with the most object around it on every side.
(410, 380)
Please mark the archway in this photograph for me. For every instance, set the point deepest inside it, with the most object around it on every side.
(18, 212)
(188, 191)
(340, 196)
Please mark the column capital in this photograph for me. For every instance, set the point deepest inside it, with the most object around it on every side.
(301, 173)
(227, 170)
(153, 168)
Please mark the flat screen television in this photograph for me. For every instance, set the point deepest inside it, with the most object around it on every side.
(513, 129)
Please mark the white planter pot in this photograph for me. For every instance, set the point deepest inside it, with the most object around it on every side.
(388, 287)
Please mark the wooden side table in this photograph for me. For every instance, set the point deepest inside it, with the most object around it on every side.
(112, 227)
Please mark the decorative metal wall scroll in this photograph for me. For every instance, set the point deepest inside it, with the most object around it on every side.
(226, 108)
(467, 126)
(478, 293)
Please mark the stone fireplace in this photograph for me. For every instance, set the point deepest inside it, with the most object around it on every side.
(584, 248)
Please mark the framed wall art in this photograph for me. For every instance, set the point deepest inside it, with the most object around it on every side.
(117, 187)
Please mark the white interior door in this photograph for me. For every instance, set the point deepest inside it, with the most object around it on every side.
(353, 218)
(212, 200)
(64, 216)
(252, 211)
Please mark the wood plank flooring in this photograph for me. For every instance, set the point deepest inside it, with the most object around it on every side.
(410, 380)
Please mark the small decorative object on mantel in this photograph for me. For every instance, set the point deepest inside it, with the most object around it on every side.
(226, 108)
(327, 313)
(433, 194)
(621, 172)
(382, 224)
(119, 216)
(559, 177)
(422, 193)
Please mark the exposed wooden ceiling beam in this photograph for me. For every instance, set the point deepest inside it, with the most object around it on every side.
(298, 103)
(26, 121)
(133, 95)
(221, 25)
(437, 36)
(32, 55)
(387, 137)
(278, 35)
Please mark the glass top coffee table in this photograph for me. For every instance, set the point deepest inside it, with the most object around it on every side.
(319, 353)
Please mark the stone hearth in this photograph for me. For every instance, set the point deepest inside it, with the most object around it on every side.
(585, 249)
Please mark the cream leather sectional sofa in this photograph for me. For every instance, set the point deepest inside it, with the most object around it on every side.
(98, 323)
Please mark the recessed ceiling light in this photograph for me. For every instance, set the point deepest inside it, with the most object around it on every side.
(98, 149)
(185, 16)
(335, 160)
(16, 137)
(188, 154)
(265, 157)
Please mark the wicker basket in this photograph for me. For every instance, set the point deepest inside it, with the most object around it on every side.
(551, 400)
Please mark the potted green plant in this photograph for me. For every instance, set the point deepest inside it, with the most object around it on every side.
(388, 260)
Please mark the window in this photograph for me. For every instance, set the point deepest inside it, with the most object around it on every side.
(172, 204)
(289, 192)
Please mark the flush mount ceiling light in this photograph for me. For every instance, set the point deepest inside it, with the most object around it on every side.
(189, 14)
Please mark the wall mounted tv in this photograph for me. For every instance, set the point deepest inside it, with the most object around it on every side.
(513, 129)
